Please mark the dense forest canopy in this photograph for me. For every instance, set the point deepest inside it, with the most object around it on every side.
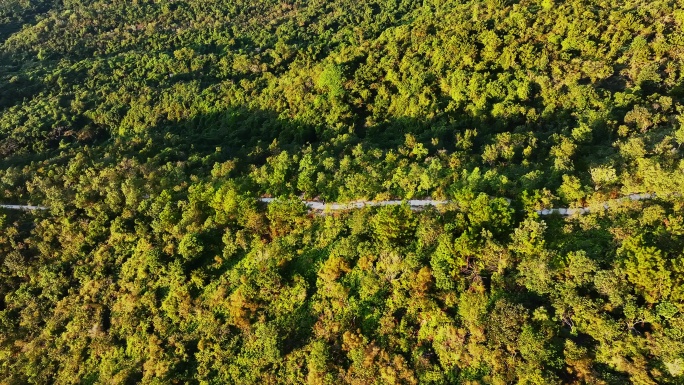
(150, 128)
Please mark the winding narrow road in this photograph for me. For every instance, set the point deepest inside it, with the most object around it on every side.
(416, 204)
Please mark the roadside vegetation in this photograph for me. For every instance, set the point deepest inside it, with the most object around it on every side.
(151, 129)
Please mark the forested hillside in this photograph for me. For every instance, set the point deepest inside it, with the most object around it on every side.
(150, 129)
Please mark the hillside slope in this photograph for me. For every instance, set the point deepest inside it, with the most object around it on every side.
(151, 129)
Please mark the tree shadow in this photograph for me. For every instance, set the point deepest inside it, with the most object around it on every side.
(250, 136)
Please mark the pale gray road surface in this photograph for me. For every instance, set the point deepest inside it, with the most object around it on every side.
(416, 204)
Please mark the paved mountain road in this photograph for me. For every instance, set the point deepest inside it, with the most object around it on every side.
(416, 204)
(419, 204)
